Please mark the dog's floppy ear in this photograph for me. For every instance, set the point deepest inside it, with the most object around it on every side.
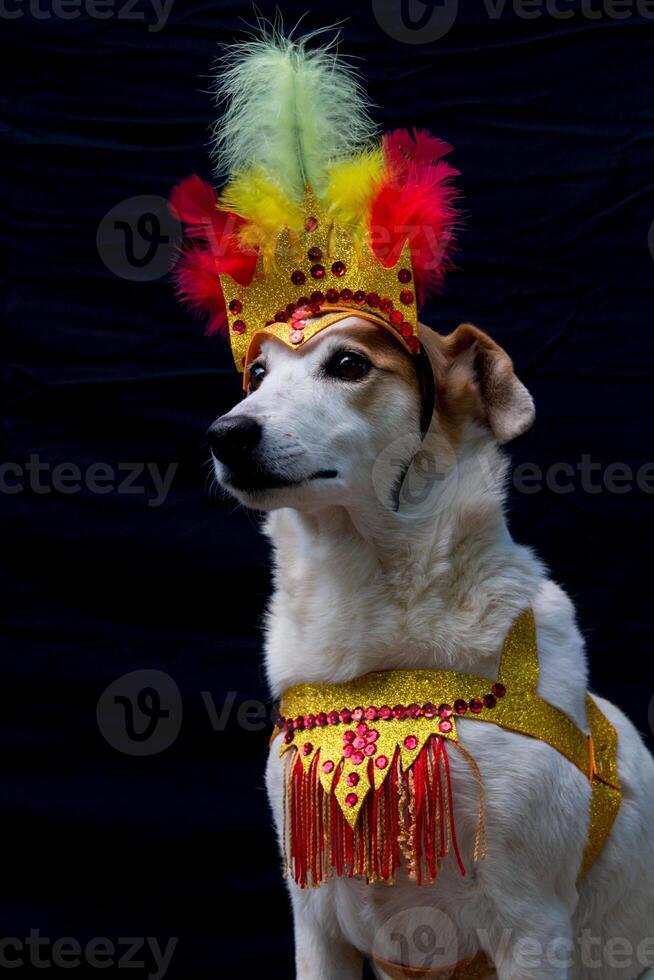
(476, 377)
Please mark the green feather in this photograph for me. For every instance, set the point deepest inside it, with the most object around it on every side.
(290, 109)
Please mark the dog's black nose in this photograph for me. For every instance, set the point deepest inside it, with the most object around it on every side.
(232, 440)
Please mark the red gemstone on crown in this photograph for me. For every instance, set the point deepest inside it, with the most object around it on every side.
(370, 749)
(413, 344)
(348, 736)
(410, 742)
(396, 318)
(297, 336)
(239, 326)
(348, 750)
(460, 706)
(371, 713)
(351, 799)
(288, 738)
(385, 713)
(307, 748)
(318, 271)
(429, 710)
(303, 301)
(328, 766)
(445, 711)
(314, 253)
(352, 779)
(358, 714)
(332, 295)
(235, 306)
(321, 718)
(404, 275)
(357, 757)
(362, 728)
(490, 700)
(386, 305)
(476, 705)
(413, 710)
(359, 297)
(298, 277)
(346, 717)
(372, 299)
(406, 296)
(309, 721)
(281, 316)
(359, 742)
(332, 718)
(498, 690)
(311, 224)
(317, 296)
(372, 735)
(381, 761)
(399, 711)
(346, 295)
(406, 329)
(298, 723)
(445, 725)
(339, 268)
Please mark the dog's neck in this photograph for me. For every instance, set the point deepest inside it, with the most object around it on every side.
(362, 588)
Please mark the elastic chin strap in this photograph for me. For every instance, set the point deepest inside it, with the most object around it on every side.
(427, 386)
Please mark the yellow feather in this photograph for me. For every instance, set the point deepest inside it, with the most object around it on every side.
(351, 185)
(253, 196)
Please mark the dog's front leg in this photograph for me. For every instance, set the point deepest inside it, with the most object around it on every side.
(537, 945)
(321, 953)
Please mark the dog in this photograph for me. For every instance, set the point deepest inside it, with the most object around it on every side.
(391, 551)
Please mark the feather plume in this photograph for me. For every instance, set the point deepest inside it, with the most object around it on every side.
(253, 196)
(415, 201)
(352, 184)
(213, 248)
(290, 109)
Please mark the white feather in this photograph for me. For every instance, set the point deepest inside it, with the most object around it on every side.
(289, 108)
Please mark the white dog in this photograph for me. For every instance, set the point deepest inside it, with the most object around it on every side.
(322, 443)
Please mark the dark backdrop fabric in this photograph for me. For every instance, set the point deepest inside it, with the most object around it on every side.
(552, 119)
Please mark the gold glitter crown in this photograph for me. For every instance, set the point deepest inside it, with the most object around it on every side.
(318, 276)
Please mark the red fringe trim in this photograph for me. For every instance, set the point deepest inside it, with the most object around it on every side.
(408, 821)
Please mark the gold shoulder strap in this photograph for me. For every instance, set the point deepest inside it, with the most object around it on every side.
(595, 753)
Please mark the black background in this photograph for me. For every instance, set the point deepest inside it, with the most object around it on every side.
(552, 121)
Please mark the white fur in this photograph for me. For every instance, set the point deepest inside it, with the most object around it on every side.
(359, 587)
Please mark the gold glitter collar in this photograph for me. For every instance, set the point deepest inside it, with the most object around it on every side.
(354, 732)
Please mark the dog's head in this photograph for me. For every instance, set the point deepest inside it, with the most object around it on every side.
(341, 420)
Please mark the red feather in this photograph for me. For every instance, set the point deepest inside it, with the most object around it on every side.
(415, 202)
(213, 248)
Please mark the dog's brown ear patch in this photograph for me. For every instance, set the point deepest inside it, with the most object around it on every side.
(475, 377)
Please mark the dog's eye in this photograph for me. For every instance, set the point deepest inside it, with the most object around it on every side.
(255, 376)
(348, 365)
